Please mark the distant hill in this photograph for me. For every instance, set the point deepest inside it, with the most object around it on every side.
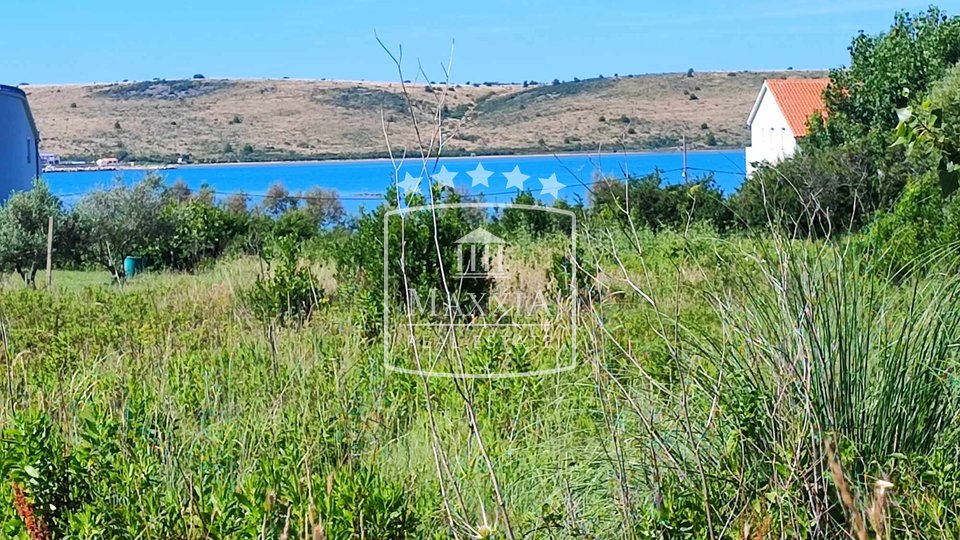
(253, 120)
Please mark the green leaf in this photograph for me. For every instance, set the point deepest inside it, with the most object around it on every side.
(948, 181)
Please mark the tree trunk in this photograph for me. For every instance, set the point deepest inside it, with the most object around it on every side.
(28, 275)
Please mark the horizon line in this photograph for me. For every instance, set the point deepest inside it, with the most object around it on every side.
(416, 82)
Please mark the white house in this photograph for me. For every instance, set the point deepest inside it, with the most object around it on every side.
(108, 162)
(779, 117)
(47, 159)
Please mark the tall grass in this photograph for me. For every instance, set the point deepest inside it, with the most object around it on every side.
(826, 344)
(777, 375)
(726, 388)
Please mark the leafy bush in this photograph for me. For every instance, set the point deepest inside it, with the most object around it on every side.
(919, 234)
(513, 222)
(24, 220)
(196, 231)
(296, 224)
(33, 457)
(862, 100)
(362, 504)
(819, 192)
(289, 292)
(646, 202)
(930, 131)
(414, 265)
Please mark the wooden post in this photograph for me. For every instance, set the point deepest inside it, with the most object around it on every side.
(684, 143)
(50, 253)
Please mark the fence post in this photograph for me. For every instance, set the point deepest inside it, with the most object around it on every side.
(50, 253)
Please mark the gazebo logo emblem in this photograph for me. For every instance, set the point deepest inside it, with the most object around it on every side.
(480, 255)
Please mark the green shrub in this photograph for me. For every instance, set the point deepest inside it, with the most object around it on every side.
(289, 293)
(517, 222)
(414, 265)
(654, 206)
(24, 220)
(818, 192)
(197, 231)
(905, 239)
(296, 224)
(34, 457)
(363, 504)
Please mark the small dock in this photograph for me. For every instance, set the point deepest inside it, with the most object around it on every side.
(93, 167)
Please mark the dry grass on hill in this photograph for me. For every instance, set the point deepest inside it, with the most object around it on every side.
(228, 120)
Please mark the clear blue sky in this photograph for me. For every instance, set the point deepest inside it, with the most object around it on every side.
(57, 41)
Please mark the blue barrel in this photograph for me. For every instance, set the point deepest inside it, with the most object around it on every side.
(132, 266)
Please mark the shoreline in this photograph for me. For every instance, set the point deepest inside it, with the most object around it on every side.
(558, 155)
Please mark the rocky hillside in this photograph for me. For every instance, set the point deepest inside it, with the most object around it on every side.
(249, 120)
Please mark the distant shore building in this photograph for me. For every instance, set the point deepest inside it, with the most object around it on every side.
(47, 159)
(108, 162)
(779, 117)
(19, 140)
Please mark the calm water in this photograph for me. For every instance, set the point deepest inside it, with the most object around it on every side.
(362, 183)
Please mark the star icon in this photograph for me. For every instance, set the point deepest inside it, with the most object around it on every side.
(550, 186)
(480, 175)
(515, 178)
(410, 184)
(445, 177)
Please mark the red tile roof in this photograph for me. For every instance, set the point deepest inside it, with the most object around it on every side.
(798, 99)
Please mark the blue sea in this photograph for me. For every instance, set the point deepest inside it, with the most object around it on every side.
(362, 183)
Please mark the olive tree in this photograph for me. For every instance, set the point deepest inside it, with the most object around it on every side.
(323, 206)
(123, 220)
(278, 200)
(23, 229)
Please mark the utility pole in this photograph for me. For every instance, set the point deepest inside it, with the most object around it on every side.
(50, 253)
(683, 141)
